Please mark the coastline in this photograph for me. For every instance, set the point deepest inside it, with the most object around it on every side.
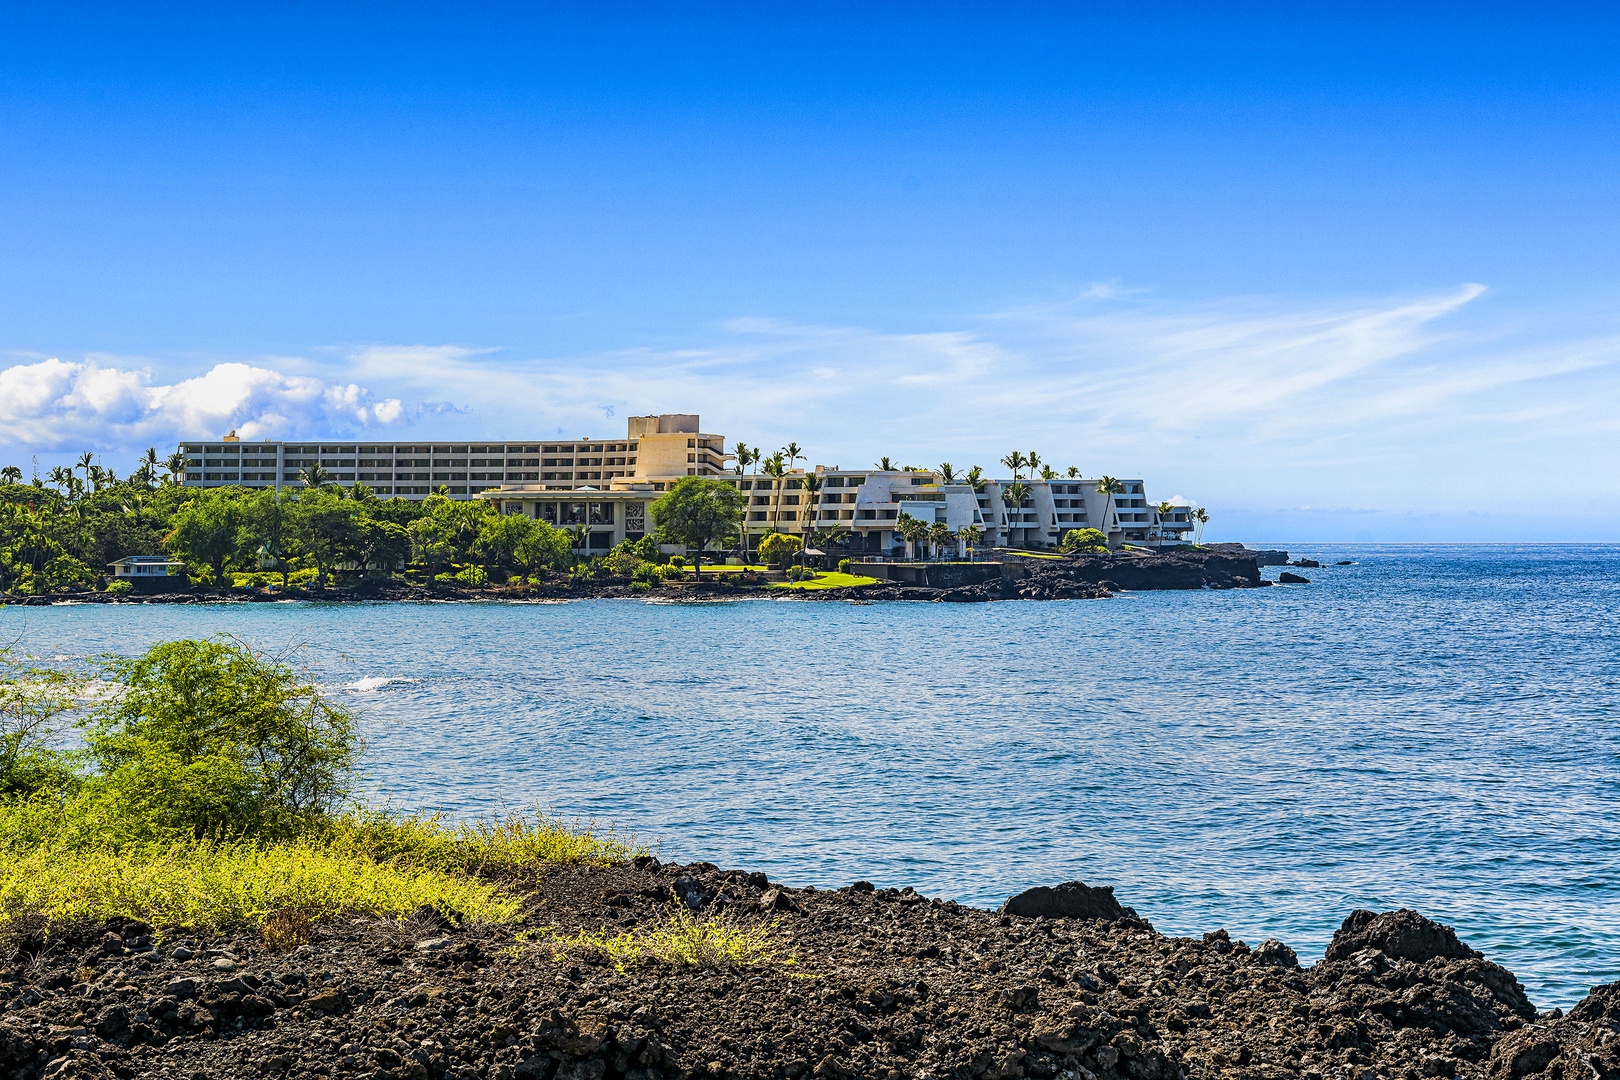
(1072, 577)
(854, 982)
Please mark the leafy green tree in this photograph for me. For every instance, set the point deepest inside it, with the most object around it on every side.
(325, 527)
(697, 511)
(211, 739)
(939, 535)
(268, 529)
(380, 544)
(1083, 540)
(779, 549)
(207, 531)
(544, 547)
(313, 476)
(499, 536)
(10, 475)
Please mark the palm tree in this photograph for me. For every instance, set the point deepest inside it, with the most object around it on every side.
(975, 478)
(173, 466)
(939, 534)
(812, 493)
(1201, 517)
(1016, 461)
(86, 462)
(314, 476)
(1048, 473)
(884, 464)
(970, 536)
(1074, 472)
(775, 468)
(947, 473)
(744, 454)
(1108, 487)
(62, 477)
(10, 475)
(1163, 513)
(1015, 495)
(1033, 461)
(912, 531)
(793, 454)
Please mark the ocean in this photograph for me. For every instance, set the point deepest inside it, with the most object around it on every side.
(1431, 727)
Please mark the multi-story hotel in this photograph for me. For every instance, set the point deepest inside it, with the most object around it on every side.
(606, 488)
(659, 446)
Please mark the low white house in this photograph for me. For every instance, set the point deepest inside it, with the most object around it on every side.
(146, 566)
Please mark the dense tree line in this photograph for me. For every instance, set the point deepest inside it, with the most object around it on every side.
(62, 532)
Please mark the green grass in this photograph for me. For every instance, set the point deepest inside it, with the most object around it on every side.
(69, 866)
(723, 568)
(1032, 554)
(683, 939)
(207, 886)
(829, 580)
(509, 843)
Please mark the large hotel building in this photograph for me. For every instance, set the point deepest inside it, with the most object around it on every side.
(606, 487)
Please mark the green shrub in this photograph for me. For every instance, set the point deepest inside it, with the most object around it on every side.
(300, 578)
(427, 841)
(119, 588)
(471, 575)
(779, 548)
(622, 563)
(677, 560)
(649, 574)
(209, 738)
(1086, 540)
(844, 565)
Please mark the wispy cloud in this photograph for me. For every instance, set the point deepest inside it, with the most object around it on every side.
(1396, 403)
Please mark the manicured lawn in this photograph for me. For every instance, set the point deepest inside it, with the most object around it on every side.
(1033, 554)
(722, 568)
(829, 580)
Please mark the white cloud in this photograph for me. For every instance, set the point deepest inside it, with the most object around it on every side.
(62, 405)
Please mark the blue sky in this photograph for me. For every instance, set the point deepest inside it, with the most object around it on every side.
(1332, 274)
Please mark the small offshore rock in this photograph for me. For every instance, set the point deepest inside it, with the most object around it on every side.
(1292, 579)
(1070, 900)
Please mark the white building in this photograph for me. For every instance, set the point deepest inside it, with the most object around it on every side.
(145, 566)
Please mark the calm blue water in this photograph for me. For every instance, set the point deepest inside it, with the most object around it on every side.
(1432, 727)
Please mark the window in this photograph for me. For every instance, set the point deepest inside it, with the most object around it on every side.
(601, 513)
(574, 513)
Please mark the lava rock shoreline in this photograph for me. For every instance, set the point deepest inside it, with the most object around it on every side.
(1073, 577)
(1063, 983)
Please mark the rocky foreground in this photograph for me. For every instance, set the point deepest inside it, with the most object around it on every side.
(865, 982)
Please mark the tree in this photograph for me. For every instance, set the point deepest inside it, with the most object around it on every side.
(970, 536)
(912, 531)
(776, 469)
(313, 476)
(33, 703)
(267, 528)
(779, 549)
(812, 495)
(380, 543)
(211, 739)
(324, 524)
(499, 536)
(206, 531)
(1163, 511)
(792, 453)
(1200, 517)
(1074, 472)
(947, 473)
(1032, 462)
(746, 456)
(1108, 487)
(173, 466)
(434, 532)
(1016, 461)
(1014, 497)
(975, 479)
(697, 511)
(884, 464)
(1048, 473)
(1088, 540)
(544, 546)
(939, 534)
(10, 475)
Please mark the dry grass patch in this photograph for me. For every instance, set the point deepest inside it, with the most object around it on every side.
(682, 939)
